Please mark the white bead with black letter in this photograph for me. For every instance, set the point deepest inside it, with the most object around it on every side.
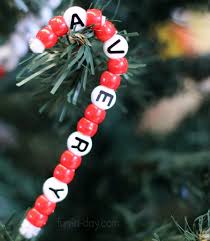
(103, 97)
(75, 18)
(116, 47)
(79, 144)
(55, 190)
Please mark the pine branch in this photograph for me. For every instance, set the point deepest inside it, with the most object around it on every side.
(9, 231)
(198, 231)
(65, 74)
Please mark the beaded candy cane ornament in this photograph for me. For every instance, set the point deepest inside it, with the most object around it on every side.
(103, 97)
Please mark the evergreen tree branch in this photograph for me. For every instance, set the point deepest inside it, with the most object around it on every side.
(65, 74)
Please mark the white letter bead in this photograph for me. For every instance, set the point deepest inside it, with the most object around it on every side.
(116, 47)
(75, 18)
(103, 97)
(36, 46)
(28, 230)
(55, 190)
(79, 144)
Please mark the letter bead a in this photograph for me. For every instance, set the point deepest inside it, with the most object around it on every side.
(75, 18)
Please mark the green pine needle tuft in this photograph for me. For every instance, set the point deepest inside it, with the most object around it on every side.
(64, 74)
(198, 231)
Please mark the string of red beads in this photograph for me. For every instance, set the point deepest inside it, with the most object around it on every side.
(44, 206)
(2, 71)
(110, 80)
(94, 114)
(47, 37)
(36, 218)
(106, 31)
(58, 26)
(94, 17)
(118, 66)
(64, 174)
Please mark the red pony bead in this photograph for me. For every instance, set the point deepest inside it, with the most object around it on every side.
(64, 174)
(94, 17)
(36, 218)
(95, 114)
(106, 31)
(2, 71)
(118, 66)
(44, 206)
(58, 25)
(87, 127)
(110, 80)
(47, 37)
(69, 160)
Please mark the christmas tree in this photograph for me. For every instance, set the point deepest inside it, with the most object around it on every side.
(148, 174)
